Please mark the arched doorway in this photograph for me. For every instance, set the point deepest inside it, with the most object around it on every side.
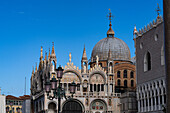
(72, 106)
(52, 107)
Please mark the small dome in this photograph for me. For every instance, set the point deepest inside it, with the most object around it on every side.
(118, 49)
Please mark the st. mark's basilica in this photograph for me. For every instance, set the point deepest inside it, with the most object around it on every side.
(99, 88)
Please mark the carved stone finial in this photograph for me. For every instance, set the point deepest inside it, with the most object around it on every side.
(70, 57)
(158, 11)
(148, 27)
(151, 25)
(32, 69)
(145, 29)
(97, 60)
(36, 67)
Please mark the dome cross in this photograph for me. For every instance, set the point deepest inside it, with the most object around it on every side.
(110, 15)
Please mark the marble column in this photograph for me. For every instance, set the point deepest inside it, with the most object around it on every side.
(81, 89)
(105, 89)
(159, 103)
(139, 106)
(151, 109)
(155, 103)
(142, 105)
(163, 100)
(148, 104)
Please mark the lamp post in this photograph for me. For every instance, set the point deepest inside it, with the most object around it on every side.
(58, 92)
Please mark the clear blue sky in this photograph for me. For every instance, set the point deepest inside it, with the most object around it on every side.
(26, 25)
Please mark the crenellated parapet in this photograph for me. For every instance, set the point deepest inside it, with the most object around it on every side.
(148, 27)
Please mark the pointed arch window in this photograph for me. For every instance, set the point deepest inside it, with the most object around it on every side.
(53, 65)
(147, 62)
(118, 74)
(125, 74)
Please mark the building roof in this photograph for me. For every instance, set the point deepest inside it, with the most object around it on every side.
(10, 97)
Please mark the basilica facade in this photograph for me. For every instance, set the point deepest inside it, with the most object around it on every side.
(99, 88)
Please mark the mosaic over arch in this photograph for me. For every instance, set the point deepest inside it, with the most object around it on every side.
(98, 105)
(69, 77)
(97, 79)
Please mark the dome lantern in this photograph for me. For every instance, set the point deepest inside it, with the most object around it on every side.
(110, 32)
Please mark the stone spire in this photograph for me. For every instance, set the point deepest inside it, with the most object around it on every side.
(32, 69)
(135, 30)
(41, 56)
(36, 67)
(45, 56)
(45, 60)
(110, 32)
(84, 57)
(41, 59)
(41, 52)
(53, 51)
(49, 55)
(84, 62)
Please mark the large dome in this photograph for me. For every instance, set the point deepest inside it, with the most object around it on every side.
(117, 47)
(111, 47)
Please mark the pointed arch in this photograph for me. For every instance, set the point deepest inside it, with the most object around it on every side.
(147, 61)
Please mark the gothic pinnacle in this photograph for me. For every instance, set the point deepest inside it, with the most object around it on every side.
(84, 57)
(32, 69)
(36, 67)
(41, 57)
(53, 52)
(45, 56)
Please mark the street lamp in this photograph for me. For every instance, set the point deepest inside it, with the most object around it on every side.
(73, 88)
(58, 92)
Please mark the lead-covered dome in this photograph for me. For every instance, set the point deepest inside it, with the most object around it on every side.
(111, 46)
(118, 49)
